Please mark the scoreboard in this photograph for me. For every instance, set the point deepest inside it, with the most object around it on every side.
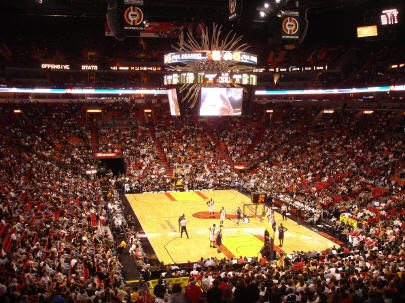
(210, 78)
(259, 198)
(262, 198)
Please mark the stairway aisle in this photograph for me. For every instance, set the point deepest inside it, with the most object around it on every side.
(94, 137)
(160, 153)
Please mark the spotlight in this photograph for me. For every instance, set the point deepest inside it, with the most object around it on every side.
(262, 14)
(266, 5)
(278, 1)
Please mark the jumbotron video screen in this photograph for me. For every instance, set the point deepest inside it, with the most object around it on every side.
(221, 101)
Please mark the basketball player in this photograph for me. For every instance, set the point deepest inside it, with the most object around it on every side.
(281, 230)
(273, 223)
(269, 214)
(284, 212)
(212, 236)
(239, 214)
(183, 224)
(222, 216)
(218, 239)
(210, 204)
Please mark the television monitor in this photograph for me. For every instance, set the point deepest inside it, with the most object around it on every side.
(367, 31)
(173, 102)
(221, 101)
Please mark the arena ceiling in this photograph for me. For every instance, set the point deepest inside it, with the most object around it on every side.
(176, 10)
(341, 16)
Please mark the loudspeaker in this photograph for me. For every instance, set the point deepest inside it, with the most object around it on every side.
(113, 20)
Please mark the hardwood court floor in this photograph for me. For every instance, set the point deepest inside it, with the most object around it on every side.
(158, 214)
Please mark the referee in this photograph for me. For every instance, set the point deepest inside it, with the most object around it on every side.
(183, 228)
(179, 220)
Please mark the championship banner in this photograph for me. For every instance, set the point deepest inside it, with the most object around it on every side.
(290, 25)
(234, 9)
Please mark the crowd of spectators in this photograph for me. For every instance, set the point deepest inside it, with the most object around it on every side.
(146, 169)
(326, 167)
(346, 274)
(192, 153)
(237, 136)
(55, 220)
(122, 131)
(339, 167)
(321, 166)
(40, 129)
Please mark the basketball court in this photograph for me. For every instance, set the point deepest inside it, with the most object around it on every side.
(158, 214)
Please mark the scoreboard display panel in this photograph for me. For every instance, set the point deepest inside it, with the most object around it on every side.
(259, 198)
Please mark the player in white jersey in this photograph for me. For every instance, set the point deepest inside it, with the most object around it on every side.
(210, 204)
(222, 217)
(213, 235)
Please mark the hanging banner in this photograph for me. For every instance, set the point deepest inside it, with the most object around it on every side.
(290, 25)
(133, 18)
(234, 9)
